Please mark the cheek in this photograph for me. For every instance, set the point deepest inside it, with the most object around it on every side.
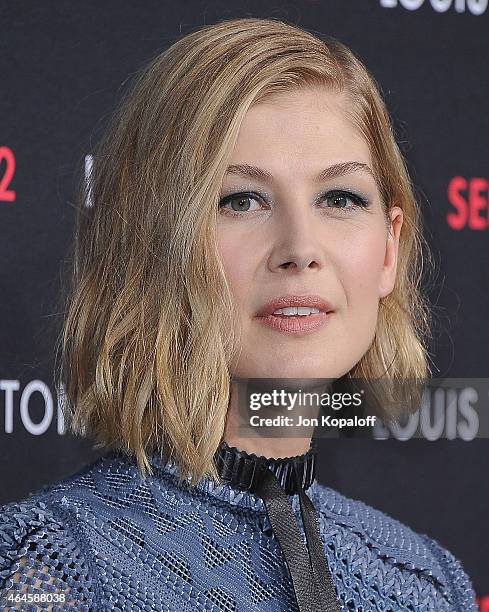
(361, 269)
(236, 258)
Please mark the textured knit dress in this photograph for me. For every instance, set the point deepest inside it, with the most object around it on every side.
(106, 539)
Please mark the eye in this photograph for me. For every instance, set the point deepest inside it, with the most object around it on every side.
(240, 203)
(340, 199)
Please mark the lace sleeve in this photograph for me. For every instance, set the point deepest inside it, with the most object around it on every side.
(41, 564)
(460, 585)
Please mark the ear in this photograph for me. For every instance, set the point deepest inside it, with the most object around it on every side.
(388, 275)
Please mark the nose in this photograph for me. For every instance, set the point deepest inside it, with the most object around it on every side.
(296, 242)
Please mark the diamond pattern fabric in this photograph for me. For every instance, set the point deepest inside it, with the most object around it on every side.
(106, 539)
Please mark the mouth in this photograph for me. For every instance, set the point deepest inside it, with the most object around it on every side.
(296, 314)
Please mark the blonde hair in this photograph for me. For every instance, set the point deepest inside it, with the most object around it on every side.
(148, 329)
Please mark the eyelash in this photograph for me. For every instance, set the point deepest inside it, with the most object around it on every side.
(359, 201)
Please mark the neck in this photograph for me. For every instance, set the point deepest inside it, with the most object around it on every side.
(290, 440)
(273, 448)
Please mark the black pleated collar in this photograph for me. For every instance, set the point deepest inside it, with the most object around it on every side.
(242, 470)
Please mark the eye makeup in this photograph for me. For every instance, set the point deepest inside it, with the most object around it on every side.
(360, 201)
(247, 190)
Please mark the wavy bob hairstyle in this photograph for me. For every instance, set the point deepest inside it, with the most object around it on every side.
(148, 330)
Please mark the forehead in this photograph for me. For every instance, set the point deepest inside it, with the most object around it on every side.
(306, 127)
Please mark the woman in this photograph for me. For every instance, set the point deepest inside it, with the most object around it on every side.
(252, 168)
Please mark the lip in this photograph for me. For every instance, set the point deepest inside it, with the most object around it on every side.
(297, 324)
(313, 301)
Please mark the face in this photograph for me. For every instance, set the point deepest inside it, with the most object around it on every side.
(290, 232)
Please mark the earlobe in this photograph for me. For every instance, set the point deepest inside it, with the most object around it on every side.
(388, 277)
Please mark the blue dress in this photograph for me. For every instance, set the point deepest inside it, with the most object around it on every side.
(106, 539)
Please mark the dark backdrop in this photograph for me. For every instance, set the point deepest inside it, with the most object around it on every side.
(62, 65)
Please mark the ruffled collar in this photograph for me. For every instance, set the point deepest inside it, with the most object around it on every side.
(235, 468)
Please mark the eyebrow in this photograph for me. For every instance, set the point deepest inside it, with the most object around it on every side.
(328, 173)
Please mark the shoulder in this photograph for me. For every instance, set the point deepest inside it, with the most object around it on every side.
(41, 557)
(43, 551)
(385, 546)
